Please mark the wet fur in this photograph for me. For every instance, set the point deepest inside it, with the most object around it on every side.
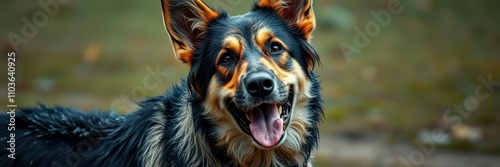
(188, 125)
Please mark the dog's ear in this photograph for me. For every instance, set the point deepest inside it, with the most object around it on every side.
(298, 13)
(186, 22)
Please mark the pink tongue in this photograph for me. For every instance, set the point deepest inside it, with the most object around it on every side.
(266, 126)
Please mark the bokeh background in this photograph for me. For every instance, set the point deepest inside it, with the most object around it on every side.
(381, 101)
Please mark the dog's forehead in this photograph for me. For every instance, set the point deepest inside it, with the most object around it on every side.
(248, 21)
(246, 26)
(247, 35)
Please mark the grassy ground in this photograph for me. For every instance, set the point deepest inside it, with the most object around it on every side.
(94, 55)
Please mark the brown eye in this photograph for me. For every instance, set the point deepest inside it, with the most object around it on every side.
(276, 47)
(226, 59)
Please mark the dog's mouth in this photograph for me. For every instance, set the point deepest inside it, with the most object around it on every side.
(265, 123)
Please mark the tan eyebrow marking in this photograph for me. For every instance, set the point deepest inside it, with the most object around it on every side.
(234, 44)
(230, 44)
(264, 35)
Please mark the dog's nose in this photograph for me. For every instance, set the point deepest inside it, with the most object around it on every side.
(259, 84)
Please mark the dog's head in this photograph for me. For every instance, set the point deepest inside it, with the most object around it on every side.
(253, 73)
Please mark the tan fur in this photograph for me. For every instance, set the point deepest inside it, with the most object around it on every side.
(235, 80)
(232, 43)
(262, 36)
(283, 59)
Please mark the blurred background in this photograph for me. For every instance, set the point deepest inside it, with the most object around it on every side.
(418, 89)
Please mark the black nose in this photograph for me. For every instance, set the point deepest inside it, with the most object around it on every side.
(259, 84)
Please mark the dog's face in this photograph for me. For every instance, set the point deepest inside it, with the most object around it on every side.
(251, 72)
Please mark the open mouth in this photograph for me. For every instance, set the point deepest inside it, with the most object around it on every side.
(265, 123)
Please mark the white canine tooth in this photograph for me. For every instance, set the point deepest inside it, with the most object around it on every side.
(280, 110)
(248, 117)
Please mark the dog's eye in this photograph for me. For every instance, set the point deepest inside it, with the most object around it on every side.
(276, 47)
(226, 58)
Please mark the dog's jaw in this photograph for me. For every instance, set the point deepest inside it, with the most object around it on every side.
(266, 123)
(245, 150)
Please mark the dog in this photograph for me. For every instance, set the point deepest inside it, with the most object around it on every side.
(251, 98)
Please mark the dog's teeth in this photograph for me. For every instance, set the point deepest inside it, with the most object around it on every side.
(248, 117)
(280, 110)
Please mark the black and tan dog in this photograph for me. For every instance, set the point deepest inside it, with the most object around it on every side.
(251, 99)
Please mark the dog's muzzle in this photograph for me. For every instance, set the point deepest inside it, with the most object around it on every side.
(262, 108)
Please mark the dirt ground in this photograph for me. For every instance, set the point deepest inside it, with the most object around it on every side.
(337, 151)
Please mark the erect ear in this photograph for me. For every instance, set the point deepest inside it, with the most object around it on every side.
(296, 12)
(186, 22)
